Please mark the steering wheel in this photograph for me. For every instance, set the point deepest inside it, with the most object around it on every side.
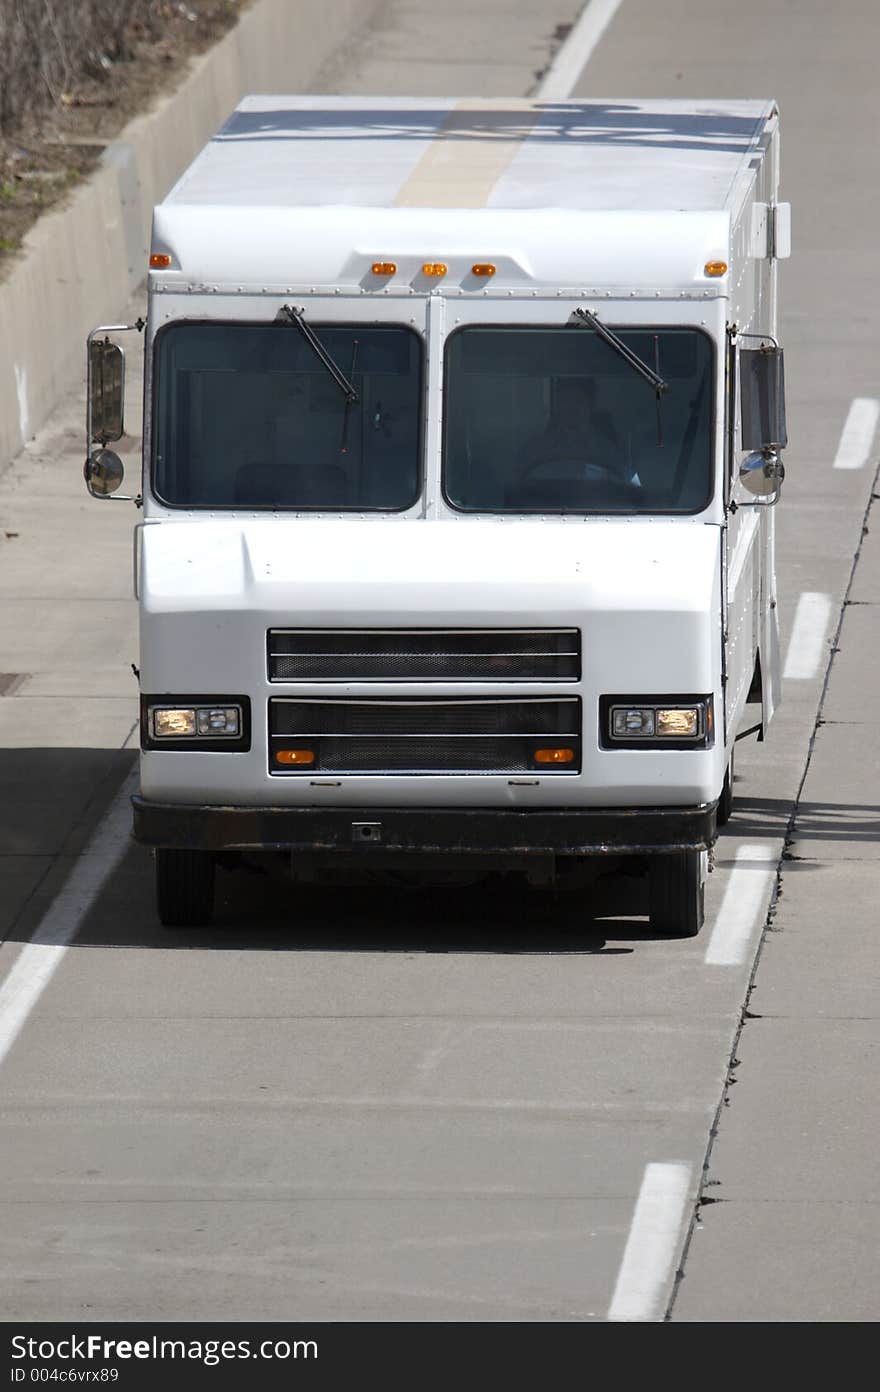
(581, 470)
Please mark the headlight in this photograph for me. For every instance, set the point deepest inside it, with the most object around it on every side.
(202, 723)
(221, 720)
(680, 722)
(172, 724)
(670, 722)
(632, 722)
(176, 722)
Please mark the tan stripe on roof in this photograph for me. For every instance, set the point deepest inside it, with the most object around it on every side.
(471, 150)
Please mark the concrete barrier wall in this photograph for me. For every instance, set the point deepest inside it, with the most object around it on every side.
(80, 265)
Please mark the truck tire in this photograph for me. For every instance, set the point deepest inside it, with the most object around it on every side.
(184, 887)
(725, 802)
(675, 893)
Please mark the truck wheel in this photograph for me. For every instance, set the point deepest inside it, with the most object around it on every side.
(184, 887)
(675, 892)
(725, 802)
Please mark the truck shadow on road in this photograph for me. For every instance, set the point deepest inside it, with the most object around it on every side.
(837, 822)
(257, 913)
(60, 795)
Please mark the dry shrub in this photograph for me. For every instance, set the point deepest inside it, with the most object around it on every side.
(49, 47)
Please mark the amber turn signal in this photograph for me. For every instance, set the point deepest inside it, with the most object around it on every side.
(554, 756)
(300, 757)
(715, 268)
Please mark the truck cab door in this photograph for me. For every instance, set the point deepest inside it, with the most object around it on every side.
(752, 617)
(742, 569)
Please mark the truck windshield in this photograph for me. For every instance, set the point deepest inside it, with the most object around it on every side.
(246, 416)
(552, 420)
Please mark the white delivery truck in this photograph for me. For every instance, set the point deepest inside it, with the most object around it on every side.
(461, 441)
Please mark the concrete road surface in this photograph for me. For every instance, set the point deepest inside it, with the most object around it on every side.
(469, 1105)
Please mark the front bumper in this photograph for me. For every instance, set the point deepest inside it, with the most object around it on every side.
(440, 830)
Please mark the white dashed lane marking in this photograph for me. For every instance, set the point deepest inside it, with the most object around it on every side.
(807, 648)
(652, 1245)
(744, 906)
(857, 438)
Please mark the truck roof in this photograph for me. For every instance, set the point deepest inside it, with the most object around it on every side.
(429, 169)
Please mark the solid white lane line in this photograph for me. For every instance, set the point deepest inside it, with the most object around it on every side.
(744, 906)
(652, 1244)
(858, 433)
(39, 959)
(807, 648)
(574, 54)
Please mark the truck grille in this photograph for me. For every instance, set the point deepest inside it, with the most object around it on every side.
(424, 654)
(458, 735)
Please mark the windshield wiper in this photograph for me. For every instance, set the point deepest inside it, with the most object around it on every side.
(586, 316)
(291, 315)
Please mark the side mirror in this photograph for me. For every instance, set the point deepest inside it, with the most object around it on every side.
(762, 391)
(105, 402)
(761, 474)
(106, 390)
(103, 473)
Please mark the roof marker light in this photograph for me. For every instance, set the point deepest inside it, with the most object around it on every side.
(159, 261)
(384, 268)
(483, 268)
(715, 268)
(434, 268)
